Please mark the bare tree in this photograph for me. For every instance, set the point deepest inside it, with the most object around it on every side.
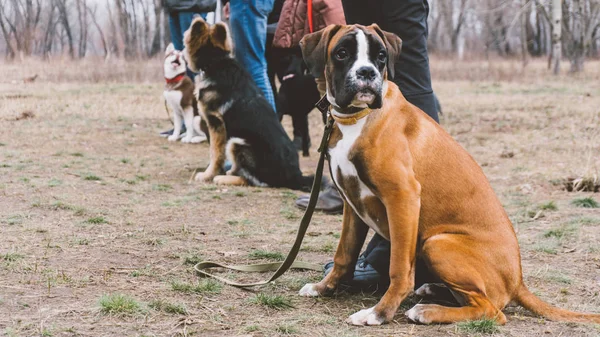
(579, 27)
(6, 32)
(92, 13)
(63, 13)
(82, 19)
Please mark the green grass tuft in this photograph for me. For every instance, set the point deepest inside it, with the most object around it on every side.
(11, 257)
(91, 177)
(286, 329)
(549, 206)
(206, 286)
(588, 202)
(272, 301)
(119, 304)
(54, 182)
(97, 220)
(169, 308)
(561, 232)
(162, 187)
(263, 254)
(192, 259)
(483, 326)
(77, 154)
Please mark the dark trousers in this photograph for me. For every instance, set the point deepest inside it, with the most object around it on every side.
(408, 20)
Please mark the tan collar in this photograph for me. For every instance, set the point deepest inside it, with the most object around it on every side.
(352, 119)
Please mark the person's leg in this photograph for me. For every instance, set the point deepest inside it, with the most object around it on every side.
(248, 22)
(408, 20)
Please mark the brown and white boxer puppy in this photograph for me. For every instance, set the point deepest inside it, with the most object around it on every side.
(403, 176)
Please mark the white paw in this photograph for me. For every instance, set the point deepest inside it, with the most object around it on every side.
(426, 290)
(417, 314)
(197, 139)
(309, 290)
(173, 138)
(365, 317)
(204, 176)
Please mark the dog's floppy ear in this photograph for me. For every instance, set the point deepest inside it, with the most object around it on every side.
(393, 44)
(170, 49)
(219, 36)
(314, 49)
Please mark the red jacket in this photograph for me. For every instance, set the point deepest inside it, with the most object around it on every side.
(293, 22)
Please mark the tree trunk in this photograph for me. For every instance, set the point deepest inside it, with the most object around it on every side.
(577, 46)
(555, 56)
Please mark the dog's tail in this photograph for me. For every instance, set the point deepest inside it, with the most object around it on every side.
(532, 303)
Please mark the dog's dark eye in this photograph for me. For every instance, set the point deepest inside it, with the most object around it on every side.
(341, 54)
(381, 56)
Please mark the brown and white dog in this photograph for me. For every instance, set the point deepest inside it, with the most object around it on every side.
(403, 176)
(179, 95)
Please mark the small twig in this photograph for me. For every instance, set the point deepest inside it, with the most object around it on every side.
(193, 175)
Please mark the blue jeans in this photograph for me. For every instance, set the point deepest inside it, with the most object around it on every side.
(179, 22)
(248, 22)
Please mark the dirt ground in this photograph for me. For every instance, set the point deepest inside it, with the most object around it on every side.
(93, 203)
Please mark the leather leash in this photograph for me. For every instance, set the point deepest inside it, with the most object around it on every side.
(282, 267)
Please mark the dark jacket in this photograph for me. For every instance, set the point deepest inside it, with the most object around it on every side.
(196, 6)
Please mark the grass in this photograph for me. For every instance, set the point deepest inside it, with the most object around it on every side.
(54, 182)
(97, 220)
(286, 329)
(549, 206)
(120, 304)
(205, 286)
(263, 254)
(272, 301)
(558, 278)
(11, 257)
(561, 232)
(483, 326)
(91, 177)
(588, 202)
(169, 308)
(192, 259)
(162, 187)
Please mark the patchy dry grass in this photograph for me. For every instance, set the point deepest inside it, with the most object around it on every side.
(93, 202)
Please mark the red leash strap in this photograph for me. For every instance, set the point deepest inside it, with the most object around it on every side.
(310, 15)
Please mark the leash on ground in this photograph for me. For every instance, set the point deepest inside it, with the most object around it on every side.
(282, 267)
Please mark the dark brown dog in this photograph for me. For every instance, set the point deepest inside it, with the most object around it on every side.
(403, 176)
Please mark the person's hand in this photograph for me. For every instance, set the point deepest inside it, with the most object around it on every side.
(226, 11)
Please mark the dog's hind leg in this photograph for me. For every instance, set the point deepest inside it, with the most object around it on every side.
(455, 263)
(243, 162)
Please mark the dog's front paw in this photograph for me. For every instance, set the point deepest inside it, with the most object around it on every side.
(205, 176)
(309, 290)
(365, 317)
(173, 138)
(186, 139)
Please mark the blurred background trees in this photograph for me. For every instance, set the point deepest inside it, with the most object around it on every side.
(461, 29)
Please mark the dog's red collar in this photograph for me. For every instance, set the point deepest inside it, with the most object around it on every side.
(175, 79)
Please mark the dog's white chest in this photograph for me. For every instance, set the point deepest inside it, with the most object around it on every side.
(173, 98)
(343, 169)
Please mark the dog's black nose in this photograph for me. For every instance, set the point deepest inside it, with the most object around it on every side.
(366, 73)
